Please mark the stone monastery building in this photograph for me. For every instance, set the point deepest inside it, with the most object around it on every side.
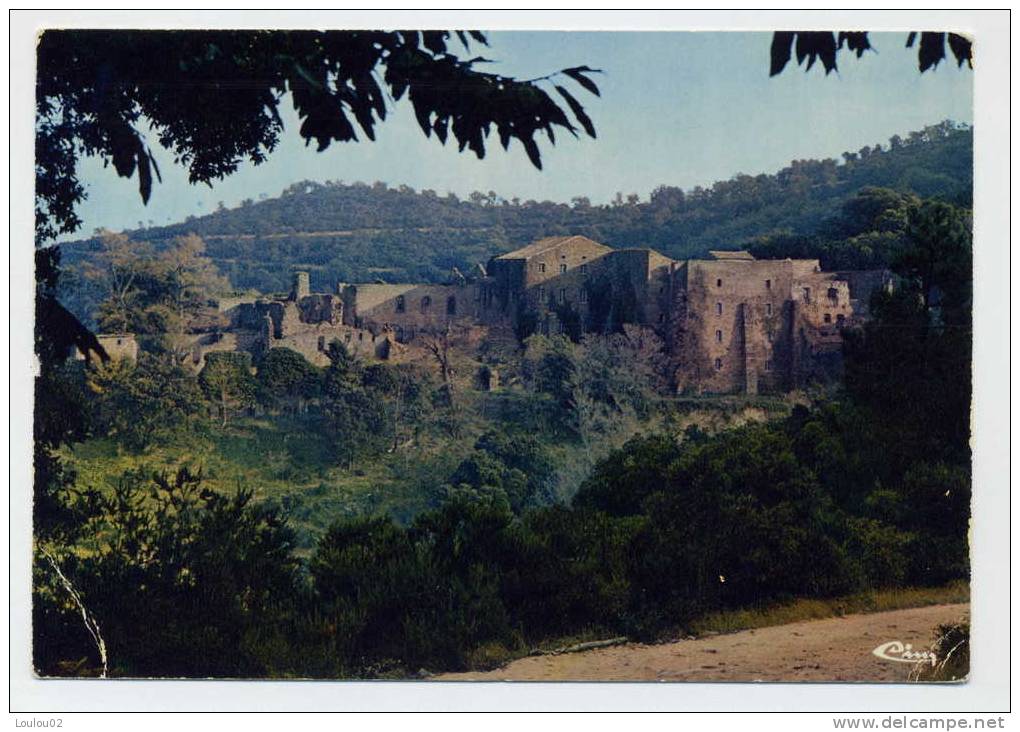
(730, 323)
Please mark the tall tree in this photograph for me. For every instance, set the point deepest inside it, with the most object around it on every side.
(911, 363)
(937, 257)
(190, 280)
(121, 269)
(227, 381)
(357, 419)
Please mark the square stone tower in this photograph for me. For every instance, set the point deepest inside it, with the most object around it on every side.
(300, 288)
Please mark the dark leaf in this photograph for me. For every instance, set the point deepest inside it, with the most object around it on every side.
(931, 51)
(504, 136)
(155, 166)
(827, 51)
(856, 42)
(577, 74)
(532, 149)
(144, 176)
(962, 49)
(434, 41)
(440, 128)
(782, 47)
(307, 77)
(479, 36)
(124, 144)
(578, 111)
(424, 116)
(816, 45)
(911, 38)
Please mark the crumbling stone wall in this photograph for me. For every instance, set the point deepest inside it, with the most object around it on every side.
(410, 310)
(748, 325)
(306, 325)
(727, 324)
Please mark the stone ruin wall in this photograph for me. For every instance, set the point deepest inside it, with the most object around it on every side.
(779, 324)
(752, 348)
(405, 312)
(306, 325)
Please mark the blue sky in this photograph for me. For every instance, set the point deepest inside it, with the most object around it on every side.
(677, 108)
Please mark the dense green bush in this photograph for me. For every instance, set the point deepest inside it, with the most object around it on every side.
(181, 582)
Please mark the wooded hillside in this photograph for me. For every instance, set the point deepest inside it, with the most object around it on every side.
(361, 232)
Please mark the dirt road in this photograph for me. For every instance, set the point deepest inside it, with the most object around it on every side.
(835, 649)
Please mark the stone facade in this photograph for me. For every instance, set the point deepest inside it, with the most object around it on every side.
(407, 311)
(730, 323)
(745, 325)
(303, 321)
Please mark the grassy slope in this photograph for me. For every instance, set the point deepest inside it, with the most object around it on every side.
(873, 601)
(289, 459)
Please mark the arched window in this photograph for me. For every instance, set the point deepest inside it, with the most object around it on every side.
(718, 283)
(451, 305)
(718, 336)
(827, 317)
(718, 308)
(401, 306)
(718, 364)
(833, 293)
(426, 303)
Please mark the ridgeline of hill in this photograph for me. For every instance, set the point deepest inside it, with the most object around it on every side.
(361, 232)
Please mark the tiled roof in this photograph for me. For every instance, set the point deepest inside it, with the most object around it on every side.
(734, 254)
(543, 245)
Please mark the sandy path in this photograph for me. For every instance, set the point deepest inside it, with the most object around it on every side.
(834, 649)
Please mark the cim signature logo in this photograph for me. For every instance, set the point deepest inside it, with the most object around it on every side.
(903, 653)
